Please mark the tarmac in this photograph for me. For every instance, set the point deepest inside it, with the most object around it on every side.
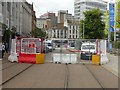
(112, 65)
(53, 73)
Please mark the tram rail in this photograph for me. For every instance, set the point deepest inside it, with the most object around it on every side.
(99, 82)
(13, 64)
(66, 77)
(16, 75)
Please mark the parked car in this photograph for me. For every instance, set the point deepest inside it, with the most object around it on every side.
(50, 45)
(46, 50)
(72, 45)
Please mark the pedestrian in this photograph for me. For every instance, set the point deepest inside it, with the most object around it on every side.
(3, 49)
(110, 47)
(6, 47)
(65, 45)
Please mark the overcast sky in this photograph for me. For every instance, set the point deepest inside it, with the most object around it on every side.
(43, 6)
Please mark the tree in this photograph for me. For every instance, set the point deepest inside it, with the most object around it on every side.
(81, 28)
(93, 25)
(107, 24)
(38, 33)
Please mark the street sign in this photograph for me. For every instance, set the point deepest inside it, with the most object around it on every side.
(112, 16)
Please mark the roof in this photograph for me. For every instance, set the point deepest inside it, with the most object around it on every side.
(87, 43)
(29, 5)
(41, 19)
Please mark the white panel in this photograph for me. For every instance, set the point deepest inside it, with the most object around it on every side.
(65, 58)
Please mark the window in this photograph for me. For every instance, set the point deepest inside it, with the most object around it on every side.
(88, 47)
(70, 26)
(70, 31)
(73, 31)
(73, 27)
(2, 3)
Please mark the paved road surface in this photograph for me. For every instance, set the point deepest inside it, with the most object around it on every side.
(51, 75)
(40, 76)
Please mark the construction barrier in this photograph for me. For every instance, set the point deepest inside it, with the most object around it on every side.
(27, 50)
(96, 59)
(40, 58)
(65, 58)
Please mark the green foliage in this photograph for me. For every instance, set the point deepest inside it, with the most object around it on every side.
(107, 24)
(112, 36)
(116, 45)
(93, 25)
(38, 33)
(81, 28)
(6, 35)
(106, 33)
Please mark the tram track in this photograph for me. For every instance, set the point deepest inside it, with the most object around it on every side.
(66, 77)
(70, 77)
(95, 77)
(99, 80)
(16, 75)
(12, 64)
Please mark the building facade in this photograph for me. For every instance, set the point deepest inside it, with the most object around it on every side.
(41, 23)
(51, 17)
(33, 15)
(17, 18)
(63, 15)
(67, 27)
(26, 19)
(72, 29)
(1, 20)
(81, 6)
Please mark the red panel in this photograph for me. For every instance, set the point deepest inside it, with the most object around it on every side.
(27, 58)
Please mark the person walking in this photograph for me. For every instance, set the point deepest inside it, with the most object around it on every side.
(3, 49)
(6, 47)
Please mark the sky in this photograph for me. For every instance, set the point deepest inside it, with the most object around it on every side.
(43, 6)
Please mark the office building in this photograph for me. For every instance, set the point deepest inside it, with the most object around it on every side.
(81, 6)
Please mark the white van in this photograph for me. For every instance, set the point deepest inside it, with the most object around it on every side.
(87, 50)
(88, 47)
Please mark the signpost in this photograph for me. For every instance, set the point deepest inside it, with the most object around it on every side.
(111, 17)
(111, 21)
